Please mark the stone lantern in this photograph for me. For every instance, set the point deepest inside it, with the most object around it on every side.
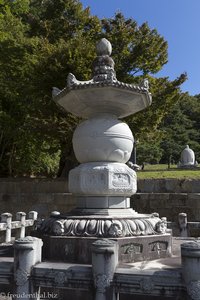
(103, 183)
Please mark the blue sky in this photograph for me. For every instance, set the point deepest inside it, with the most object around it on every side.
(178, 21)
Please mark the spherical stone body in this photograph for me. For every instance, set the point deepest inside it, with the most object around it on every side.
(103, 138)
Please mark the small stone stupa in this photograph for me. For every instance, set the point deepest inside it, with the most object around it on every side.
(187, 159)
(103, 183)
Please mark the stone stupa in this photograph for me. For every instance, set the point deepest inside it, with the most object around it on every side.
(187, 159)
(103, 183)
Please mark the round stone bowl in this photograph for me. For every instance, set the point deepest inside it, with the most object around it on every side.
(103, 138)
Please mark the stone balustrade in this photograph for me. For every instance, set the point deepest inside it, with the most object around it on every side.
(18, 227)
(104, 279)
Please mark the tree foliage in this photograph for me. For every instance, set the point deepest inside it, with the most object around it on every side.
(40, 43)
(181, 127)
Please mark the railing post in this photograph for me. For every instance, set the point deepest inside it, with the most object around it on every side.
(104, 262)
(190, 255)
(21, 216)
(33, 215)
(182, 221)
(27, 254)
(7, 218)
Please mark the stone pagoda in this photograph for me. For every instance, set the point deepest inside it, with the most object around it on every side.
(103, 183)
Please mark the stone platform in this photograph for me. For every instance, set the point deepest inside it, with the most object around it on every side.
(131, 249)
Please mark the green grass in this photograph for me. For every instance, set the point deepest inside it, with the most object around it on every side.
(162, 171)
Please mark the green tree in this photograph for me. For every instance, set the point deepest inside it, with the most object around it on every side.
(43, 42)
(149, 150)
(136, 49)
(33, 130)
(139, 52)
(181, 127)
(16, 63)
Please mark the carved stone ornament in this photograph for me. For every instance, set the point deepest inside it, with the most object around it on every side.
(158, 246)
(132, 248)
(161, 226)
(193, 289)
(58, 228)
(146, 285)
(101, 282)
(60, 278)
(115, 229)
(101, 227)
(21, 277)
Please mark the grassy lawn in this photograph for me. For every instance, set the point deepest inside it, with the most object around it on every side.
(162, 171)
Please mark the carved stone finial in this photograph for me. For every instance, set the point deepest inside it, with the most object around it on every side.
(104, 47)
(103, 66)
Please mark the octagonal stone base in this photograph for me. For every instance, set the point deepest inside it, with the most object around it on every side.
(102, 179)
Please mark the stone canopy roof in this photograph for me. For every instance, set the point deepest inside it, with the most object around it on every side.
(111, 95)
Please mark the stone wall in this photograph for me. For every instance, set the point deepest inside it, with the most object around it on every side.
(168, 204)
(41, 195)
(168, 186)
(168, 197)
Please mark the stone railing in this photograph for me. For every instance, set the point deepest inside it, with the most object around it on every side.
(17, 227)
(183, 228)
(26, 275)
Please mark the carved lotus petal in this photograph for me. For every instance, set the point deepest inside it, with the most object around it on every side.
(132, 225)
(140, 225)
(92, 226)
(68, 223)
(107, 225)
(81, 225)
(107, 228)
